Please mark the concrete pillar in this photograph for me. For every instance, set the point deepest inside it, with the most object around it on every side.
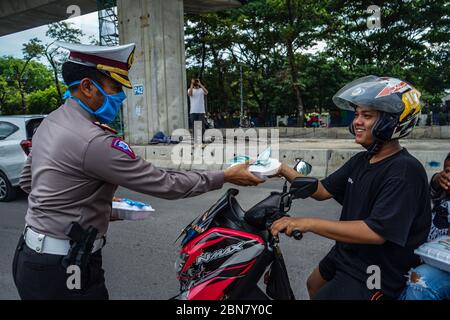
(157, 28)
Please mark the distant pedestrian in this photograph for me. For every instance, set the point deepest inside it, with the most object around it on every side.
(197, 93)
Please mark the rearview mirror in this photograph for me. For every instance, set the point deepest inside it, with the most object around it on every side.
(302, 167)
(303, 187)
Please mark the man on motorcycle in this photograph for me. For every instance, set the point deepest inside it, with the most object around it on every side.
(384, 194)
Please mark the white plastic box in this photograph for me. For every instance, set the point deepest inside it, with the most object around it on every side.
(130, 210)
(267, 170)
(436, 253)
(263, 167)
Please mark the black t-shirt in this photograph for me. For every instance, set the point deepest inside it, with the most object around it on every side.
(392, 198)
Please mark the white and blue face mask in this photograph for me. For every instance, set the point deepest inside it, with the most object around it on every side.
(108, 111)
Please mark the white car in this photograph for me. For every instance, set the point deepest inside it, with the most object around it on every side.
(15, 145)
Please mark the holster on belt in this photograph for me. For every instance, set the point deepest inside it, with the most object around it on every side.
(82, 242)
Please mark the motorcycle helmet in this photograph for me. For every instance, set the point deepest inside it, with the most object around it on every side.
(396, 100)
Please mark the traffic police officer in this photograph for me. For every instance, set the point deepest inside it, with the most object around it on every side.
(74, 170)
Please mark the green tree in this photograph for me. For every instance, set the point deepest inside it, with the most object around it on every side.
(43, 101)
(255, 48)
(207, 41)
(412, 42)
(298, 25)
(4, 91)
(272, 41)
(30, 50)
(265, 37)
(321, 78)
(36, 76)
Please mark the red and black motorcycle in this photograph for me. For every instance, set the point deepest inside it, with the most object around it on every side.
(226, 251)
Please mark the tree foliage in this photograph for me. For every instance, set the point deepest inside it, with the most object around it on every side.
(296, 54)
(13, 96)
(28, 86)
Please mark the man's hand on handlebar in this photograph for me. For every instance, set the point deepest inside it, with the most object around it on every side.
(288, 225)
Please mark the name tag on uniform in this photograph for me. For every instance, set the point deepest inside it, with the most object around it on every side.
(122, 146)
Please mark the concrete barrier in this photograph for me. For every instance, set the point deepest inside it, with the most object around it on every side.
(140, 151)
(338, 158)
(332, 133)
(318, 158)
(419, 132)
(287, 132)
(433, 161)
(344, 133)
(320, 133)
(324, 161)
(445, 132)
(291, 132)
(306, 133)
(211, 158)
(160, 156)
(435, 132)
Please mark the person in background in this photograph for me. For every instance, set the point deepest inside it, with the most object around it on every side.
(427, 282)
(197, 93)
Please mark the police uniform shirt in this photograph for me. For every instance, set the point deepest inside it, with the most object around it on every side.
(76, 167)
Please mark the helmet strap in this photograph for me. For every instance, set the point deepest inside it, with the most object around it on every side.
(382, 131)
(385, 126)
(374, 148)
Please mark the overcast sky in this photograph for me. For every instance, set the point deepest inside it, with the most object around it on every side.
(11, 44)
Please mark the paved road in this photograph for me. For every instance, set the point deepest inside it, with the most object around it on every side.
(139, 257)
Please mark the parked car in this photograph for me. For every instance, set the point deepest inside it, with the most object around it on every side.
(16, 134)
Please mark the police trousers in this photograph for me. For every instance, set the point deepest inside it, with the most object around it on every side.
(43, 277)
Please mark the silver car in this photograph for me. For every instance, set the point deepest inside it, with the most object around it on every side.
(16, 133)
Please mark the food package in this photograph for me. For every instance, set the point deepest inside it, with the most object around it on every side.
(436, 253)
(130, 210)
(264, 165)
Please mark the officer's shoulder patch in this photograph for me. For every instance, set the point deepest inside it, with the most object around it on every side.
(105, 127)
(121, 145)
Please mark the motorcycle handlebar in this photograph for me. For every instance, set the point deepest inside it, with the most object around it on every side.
(297, 235)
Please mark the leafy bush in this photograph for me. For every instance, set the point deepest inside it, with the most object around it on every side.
(43, 101)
